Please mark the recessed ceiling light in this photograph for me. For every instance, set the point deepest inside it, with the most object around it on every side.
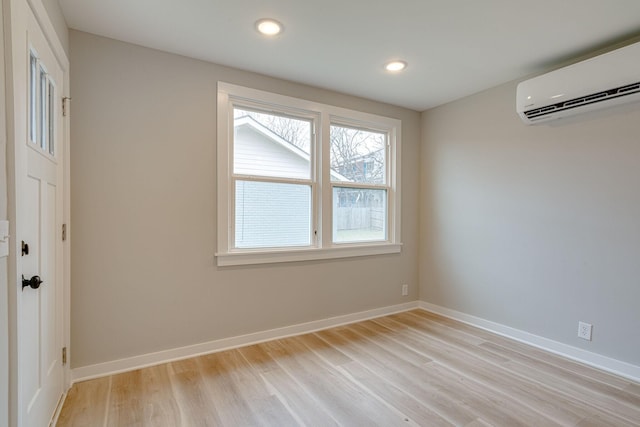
(395, 66)
(269, 27)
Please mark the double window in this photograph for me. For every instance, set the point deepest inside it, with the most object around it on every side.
(299, 180)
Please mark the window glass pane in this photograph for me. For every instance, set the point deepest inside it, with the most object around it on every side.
(270, 145)
(50, 118)
(358, 155)
(272, 214)
(43, 110)
(359, 215)
(33, 89)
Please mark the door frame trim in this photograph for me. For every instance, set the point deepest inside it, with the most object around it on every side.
(15, 29)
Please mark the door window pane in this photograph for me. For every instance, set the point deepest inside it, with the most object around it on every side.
(44, 102)
(50, 118)
(271, 145)
(358, 155)
(271, 214)
(359, 215)
(33, 96)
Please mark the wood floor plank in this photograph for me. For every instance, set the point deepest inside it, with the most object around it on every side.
(125, 400)
(159, 407)
(293, 396)
(525, 388)
(633, 389)
(478, 423)
(384, 337)
(414, 410)
(231, 406)
(414, 319)
(253, 389)
(409, 369)
(329, 353)
(587, 383)
(86, 403)
(491, 404)
(345, 401)
(570, 387)
(560, 399)
(258, 358)
(553, 359)
(386, 365)
(197, 405)
(480, 368)
(447, 335)
(602, 420)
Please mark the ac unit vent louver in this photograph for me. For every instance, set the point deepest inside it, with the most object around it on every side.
(585, 100)
(603, 81)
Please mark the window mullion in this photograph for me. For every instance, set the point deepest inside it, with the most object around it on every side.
(363, 186)
(316, 186)
(394, 181)
(272, 179)
(325, 208)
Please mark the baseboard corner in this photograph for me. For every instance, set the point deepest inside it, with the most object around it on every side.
(595, 360)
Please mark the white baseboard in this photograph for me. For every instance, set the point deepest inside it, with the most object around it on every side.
(136, 362)
(608, 364)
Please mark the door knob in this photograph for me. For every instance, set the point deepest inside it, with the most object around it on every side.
(34, 282)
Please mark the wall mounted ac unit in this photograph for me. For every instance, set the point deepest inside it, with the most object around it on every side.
(603, 81)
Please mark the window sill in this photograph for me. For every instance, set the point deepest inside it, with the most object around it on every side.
(293, 255)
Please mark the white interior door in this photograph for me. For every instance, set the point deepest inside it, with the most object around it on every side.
(40, 205)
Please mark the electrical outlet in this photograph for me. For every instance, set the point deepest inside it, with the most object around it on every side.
(584, 331)
(405, 290)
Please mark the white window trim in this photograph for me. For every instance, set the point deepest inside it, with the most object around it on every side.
(322, 248)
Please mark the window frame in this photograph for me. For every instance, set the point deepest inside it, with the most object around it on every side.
(322, 116)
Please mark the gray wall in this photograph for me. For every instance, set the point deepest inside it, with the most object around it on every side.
(59, 24)
(143, 211)
(533, 227)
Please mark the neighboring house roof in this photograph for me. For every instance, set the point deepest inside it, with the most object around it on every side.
(269, 136)
(250, 121)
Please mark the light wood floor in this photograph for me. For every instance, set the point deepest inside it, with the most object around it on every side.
(413, 368)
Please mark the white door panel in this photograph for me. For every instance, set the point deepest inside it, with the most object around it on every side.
(40, 213)
(30, 300)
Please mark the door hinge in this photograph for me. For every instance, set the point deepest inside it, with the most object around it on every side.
(25, 248)
(64, 105)
(64, 232)
(64, 356)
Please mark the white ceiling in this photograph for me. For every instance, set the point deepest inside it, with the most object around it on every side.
(454, 47)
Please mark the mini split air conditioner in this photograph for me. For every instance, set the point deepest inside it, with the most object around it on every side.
(603, 81)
